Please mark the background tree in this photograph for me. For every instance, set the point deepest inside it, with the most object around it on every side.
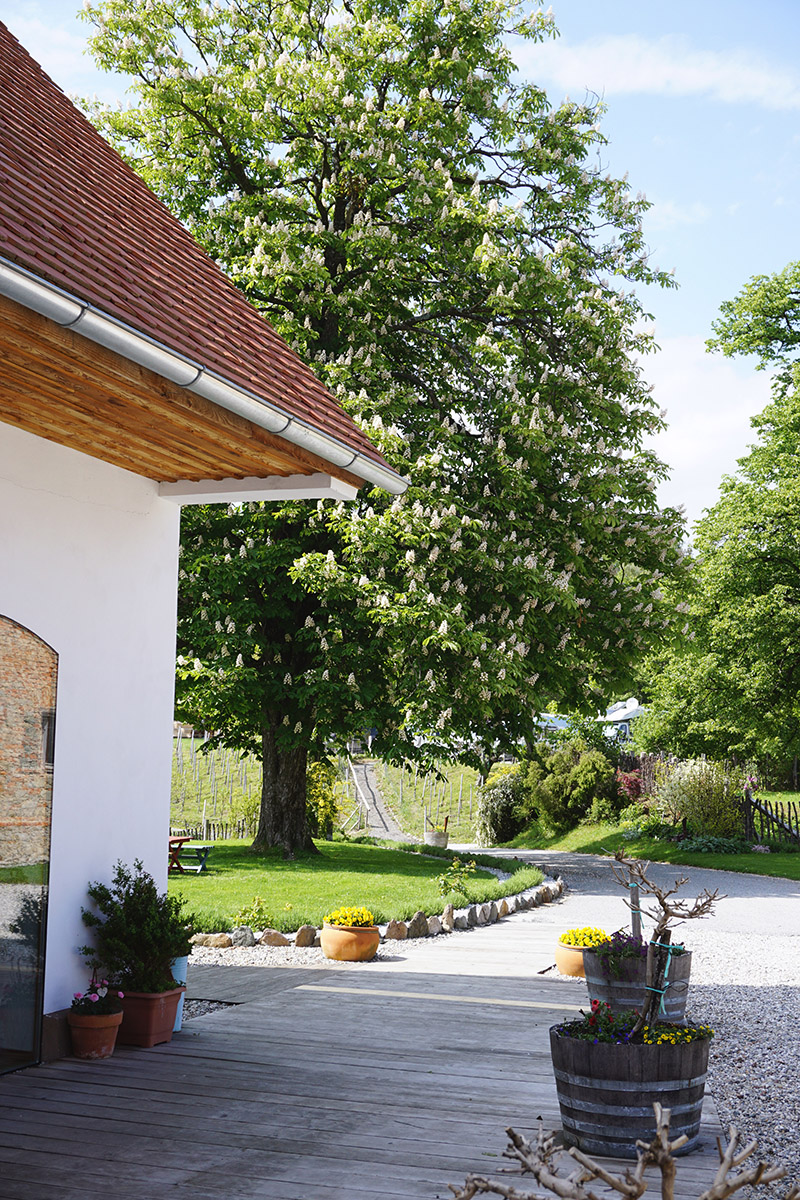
(736, 688)
(442, 245)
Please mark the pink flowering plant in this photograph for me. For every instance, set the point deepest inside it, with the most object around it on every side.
(97, 1000)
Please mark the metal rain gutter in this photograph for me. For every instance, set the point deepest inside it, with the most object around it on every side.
(69, 312)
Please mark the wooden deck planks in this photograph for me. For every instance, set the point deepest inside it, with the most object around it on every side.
(323, 1085)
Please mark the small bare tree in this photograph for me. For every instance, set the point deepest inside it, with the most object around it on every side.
(542, 1162)
(665, 912)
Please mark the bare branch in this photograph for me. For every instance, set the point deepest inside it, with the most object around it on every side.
(542, 1162)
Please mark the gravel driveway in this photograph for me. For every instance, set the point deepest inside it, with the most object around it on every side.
(745, 984)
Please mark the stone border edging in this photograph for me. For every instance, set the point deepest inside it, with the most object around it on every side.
(451, 920)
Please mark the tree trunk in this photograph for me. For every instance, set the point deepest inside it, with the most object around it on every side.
(282, 819)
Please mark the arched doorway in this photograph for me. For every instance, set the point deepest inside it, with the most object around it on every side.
(28, 671)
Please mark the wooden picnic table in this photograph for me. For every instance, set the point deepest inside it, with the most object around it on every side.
(176, 850)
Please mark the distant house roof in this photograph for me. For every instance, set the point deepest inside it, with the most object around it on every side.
(623, 710)
(85, 244)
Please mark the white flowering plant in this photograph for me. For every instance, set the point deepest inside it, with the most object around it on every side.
(443, 248)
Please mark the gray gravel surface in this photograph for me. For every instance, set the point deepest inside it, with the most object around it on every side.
(745, 984)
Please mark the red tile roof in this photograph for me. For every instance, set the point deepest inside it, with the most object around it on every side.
(74, 214)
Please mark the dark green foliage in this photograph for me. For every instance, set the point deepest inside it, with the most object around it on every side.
(591, 732)
(137, 931)
(710, 844)
(733, 688)
(777, 847)
(570, 783)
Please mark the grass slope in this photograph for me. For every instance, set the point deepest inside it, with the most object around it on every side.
(452, 794)
(390, 882)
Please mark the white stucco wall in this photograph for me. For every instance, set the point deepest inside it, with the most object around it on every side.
(88, 561)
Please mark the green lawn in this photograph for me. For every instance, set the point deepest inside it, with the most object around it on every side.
(391, 883)
(604, 838)
(35, 873)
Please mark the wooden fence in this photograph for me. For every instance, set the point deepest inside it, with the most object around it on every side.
(215, 831)
(646, 764)
(779, 822)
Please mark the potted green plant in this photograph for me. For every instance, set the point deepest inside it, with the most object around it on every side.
(94, 1020)
(137, 933)
(571, 945)
(611, 1068)
(349, 934)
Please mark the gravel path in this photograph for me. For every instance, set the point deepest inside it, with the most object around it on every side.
(745, 984)
(380, 820)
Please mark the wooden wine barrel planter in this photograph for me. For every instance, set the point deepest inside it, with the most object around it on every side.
(629, 991)
(606, 1092)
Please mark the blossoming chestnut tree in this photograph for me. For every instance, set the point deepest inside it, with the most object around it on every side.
(441, 243)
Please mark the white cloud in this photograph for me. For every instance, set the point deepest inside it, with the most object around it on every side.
(629, 63)
(666, 214)
(55, 48)
(709, 401)
(60, 49)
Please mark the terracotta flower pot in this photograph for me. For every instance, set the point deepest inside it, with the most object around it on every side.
(569, 959)
(350, 943)
(148, 1018)
(93, 1036)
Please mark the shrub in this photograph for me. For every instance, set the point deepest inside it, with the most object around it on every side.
(569, 784)
(321, 780)
(630, 784)
(635, 822)
(704, 793)
(632, 814)
(502, 811)
(253, 914)
(590, 732)
(137, 930)
(456, 877)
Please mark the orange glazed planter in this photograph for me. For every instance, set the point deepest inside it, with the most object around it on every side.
(93, 1036)
(569, 959)
(350, 943)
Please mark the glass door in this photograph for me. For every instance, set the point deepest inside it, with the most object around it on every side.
(28, 670)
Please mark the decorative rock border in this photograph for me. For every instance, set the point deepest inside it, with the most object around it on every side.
(451, 920)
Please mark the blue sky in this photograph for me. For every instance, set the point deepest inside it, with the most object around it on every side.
(702, 103)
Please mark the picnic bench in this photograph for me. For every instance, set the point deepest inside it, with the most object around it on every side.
(183, 858)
